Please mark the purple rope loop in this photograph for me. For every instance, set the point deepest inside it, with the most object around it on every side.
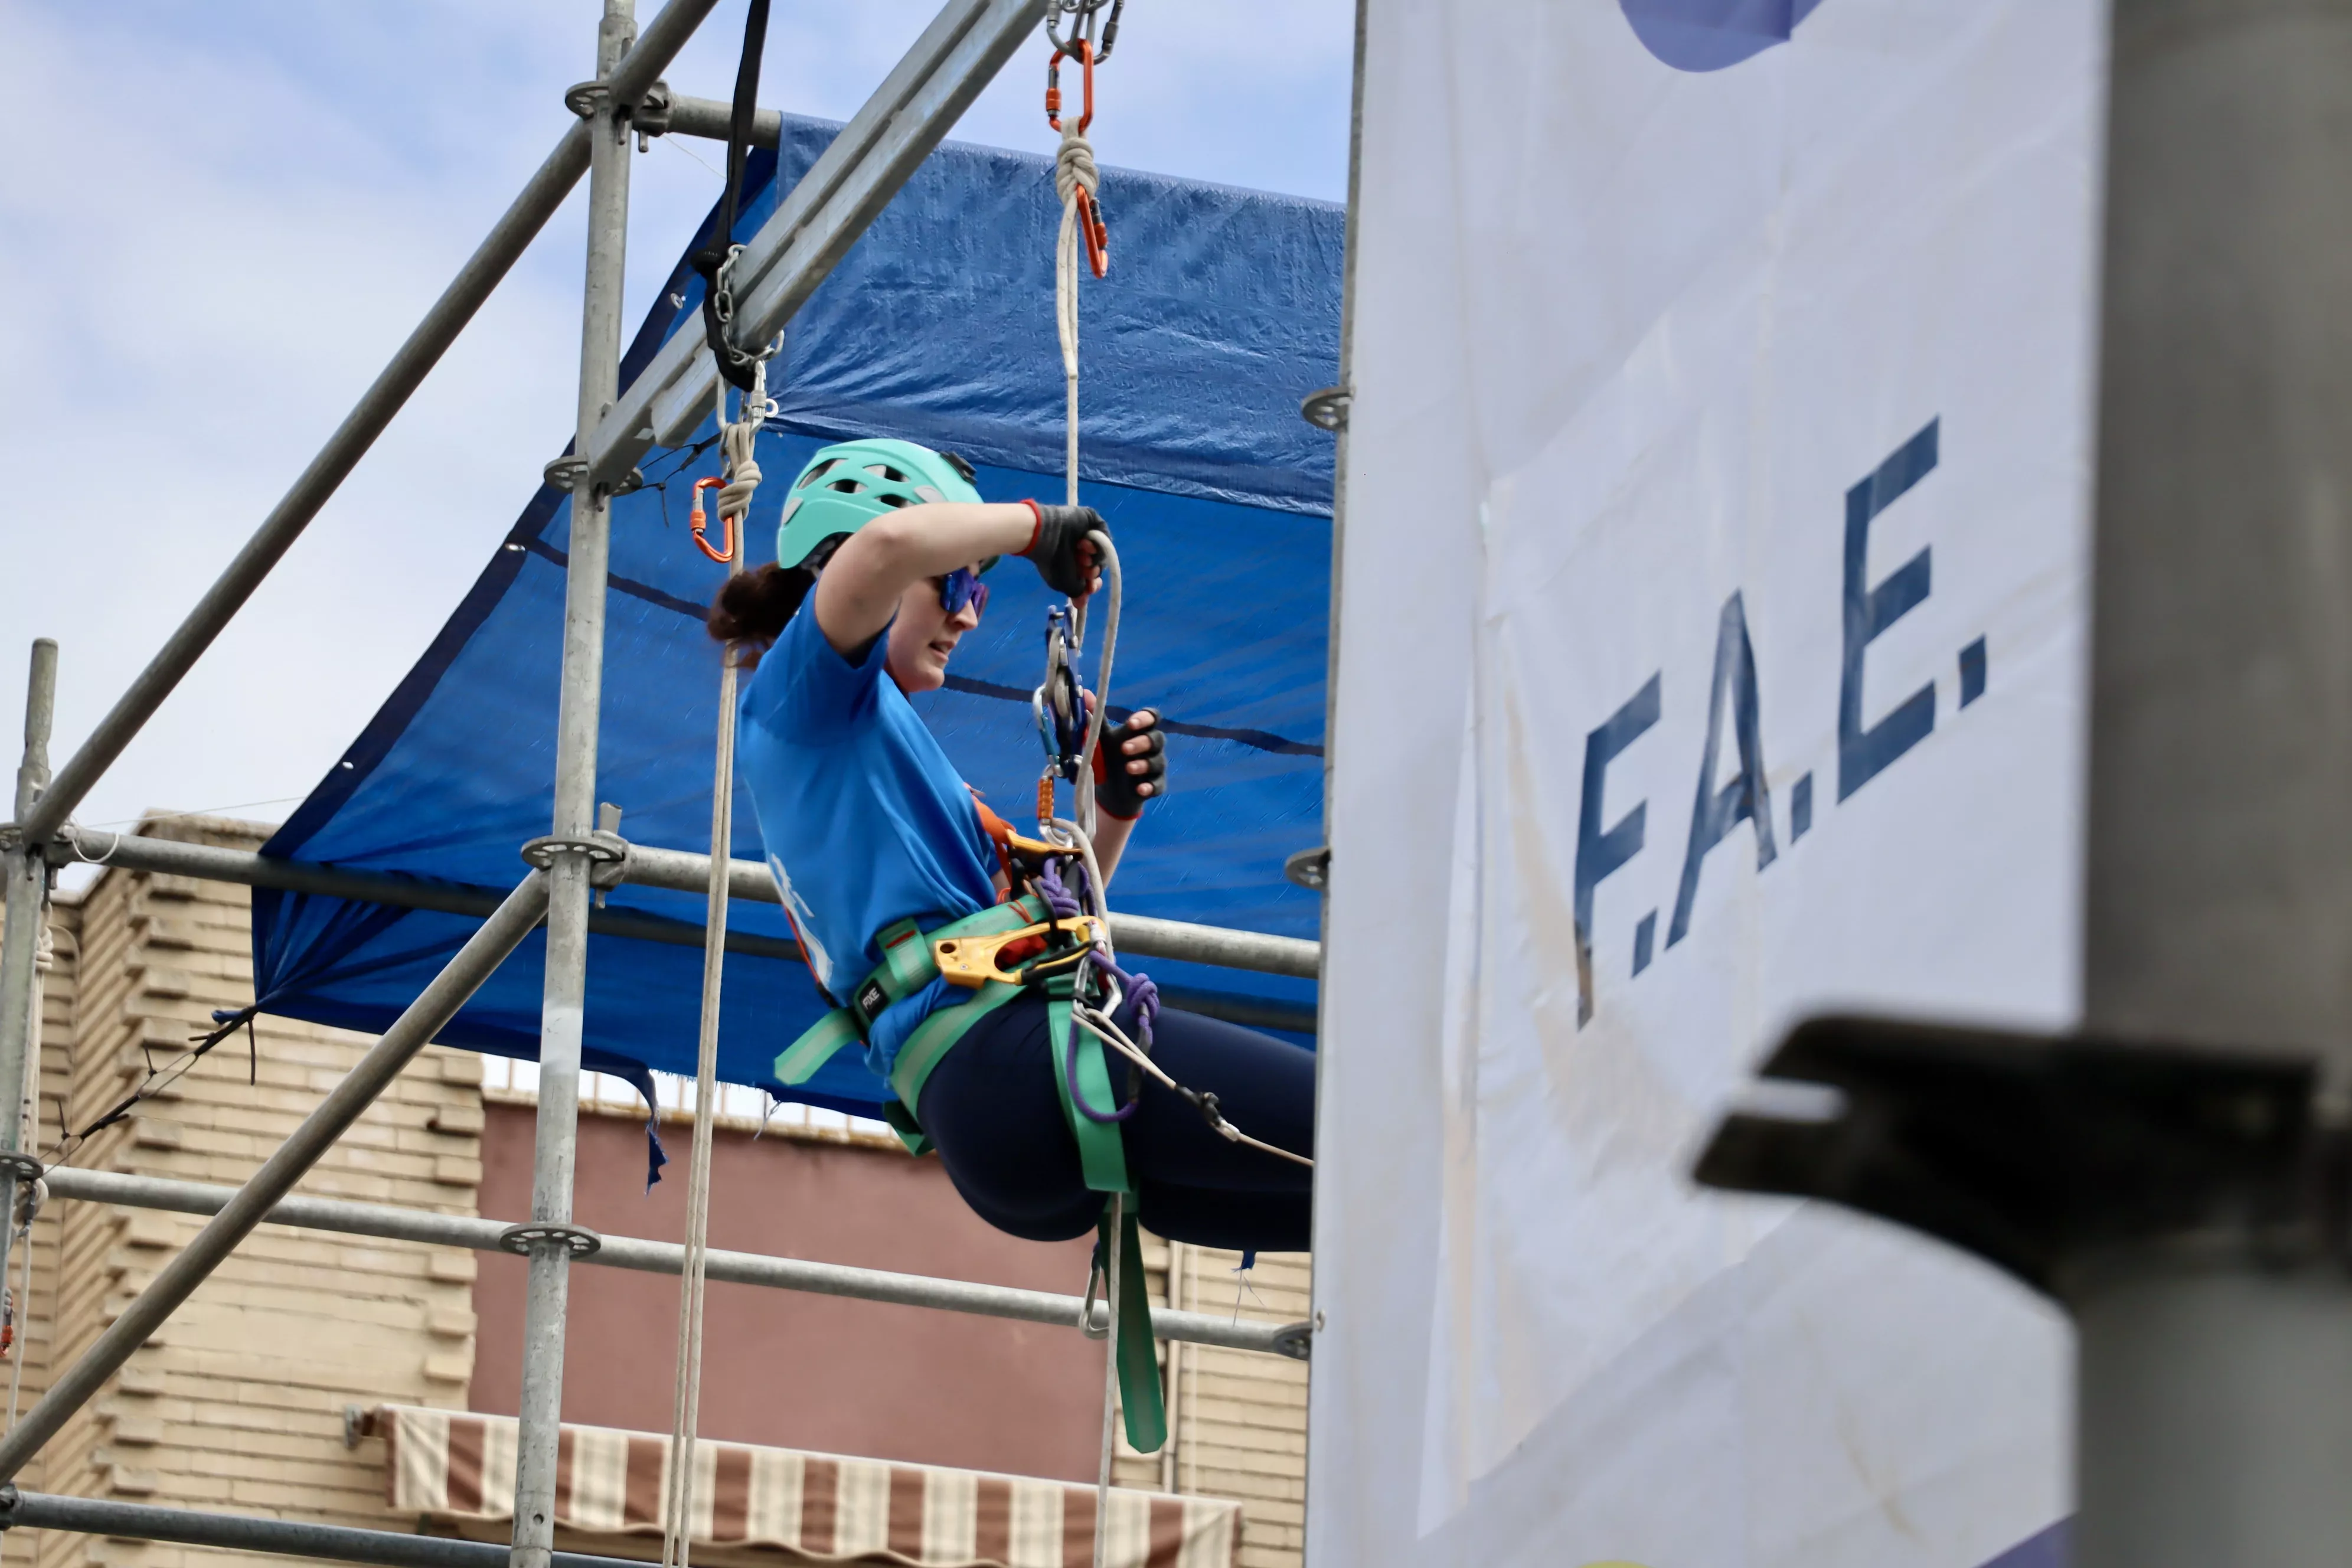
(1060, 902)
(1077, 1095)
(1142, 994)
(1064, 903)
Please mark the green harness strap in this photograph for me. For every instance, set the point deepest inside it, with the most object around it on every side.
(1102, 1157)
(1139, 1357)
(1101, 1154)
(907, 967)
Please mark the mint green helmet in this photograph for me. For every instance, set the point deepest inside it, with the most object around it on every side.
(847, 484)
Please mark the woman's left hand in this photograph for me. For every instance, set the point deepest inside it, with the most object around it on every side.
(1130, 765)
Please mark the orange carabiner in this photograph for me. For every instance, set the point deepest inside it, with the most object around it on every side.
(1098, 236)
(1085, 53)
(697, 520)
(1090, 221)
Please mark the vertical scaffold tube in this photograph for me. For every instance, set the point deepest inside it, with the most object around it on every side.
(27, 903)
(578, 708)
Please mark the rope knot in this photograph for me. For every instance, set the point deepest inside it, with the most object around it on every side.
(1074, 166)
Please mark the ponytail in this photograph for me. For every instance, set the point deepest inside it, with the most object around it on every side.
(752, 607)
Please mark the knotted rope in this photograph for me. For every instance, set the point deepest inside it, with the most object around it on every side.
(736, 442)
(1073, 175)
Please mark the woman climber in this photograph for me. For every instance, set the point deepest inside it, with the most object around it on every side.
(874, 837)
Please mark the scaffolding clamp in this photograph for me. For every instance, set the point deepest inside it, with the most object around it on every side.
(607, 853)
(525, 1239)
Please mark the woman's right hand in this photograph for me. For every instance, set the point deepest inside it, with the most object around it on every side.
(1064, 557)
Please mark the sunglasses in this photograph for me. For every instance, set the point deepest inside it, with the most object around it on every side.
(960, 587)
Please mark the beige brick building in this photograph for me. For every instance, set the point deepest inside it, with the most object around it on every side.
(239, 1404)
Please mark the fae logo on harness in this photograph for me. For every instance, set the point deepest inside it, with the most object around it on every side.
(1709, 34)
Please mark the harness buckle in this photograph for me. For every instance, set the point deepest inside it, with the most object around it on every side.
(972, 961)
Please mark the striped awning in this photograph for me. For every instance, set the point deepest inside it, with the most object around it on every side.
(453, 1466)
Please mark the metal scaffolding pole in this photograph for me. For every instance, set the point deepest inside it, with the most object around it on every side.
(394, 1223)
(507, 240)
(27, 874)
(570, 849)
(2175, 1174)
(343, 1105)
(2215, 1387)
(240, 1533)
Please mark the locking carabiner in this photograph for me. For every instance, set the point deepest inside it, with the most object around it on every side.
(697, 520)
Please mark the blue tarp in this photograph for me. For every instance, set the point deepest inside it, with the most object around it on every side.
(1221, 312)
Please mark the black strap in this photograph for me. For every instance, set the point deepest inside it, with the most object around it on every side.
(734, 364)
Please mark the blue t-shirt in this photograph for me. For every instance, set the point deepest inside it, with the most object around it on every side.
(866, 821)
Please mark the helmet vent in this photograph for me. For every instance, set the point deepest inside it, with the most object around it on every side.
(819, 471)
(890, 498)
(884, 470)
(847, 486)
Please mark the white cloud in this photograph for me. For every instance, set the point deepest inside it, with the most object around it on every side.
(216, 225)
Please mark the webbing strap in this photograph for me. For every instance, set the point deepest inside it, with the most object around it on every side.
(1139, 1358)
(905, 968)
(816, 1044)
(1102, 1157)
(934, 1036)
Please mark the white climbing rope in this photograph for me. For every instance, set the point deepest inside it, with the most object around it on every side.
(1073, 171)
(737, 440)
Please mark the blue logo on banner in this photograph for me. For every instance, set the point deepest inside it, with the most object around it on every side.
(1708, 34)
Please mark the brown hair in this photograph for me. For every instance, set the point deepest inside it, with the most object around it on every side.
(753, 608)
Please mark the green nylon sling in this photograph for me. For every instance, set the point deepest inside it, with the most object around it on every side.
(907, 965)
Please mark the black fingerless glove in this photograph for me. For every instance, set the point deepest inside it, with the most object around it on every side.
(1118, 791)
(1063, 554)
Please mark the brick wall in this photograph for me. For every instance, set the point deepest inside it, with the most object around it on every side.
(1237, 1424)
(238, 1405)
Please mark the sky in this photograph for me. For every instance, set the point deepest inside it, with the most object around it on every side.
(220, 220)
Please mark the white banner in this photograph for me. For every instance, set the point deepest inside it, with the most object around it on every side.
(1715, 604)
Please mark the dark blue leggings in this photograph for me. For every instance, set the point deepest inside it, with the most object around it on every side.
(992, 1109)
